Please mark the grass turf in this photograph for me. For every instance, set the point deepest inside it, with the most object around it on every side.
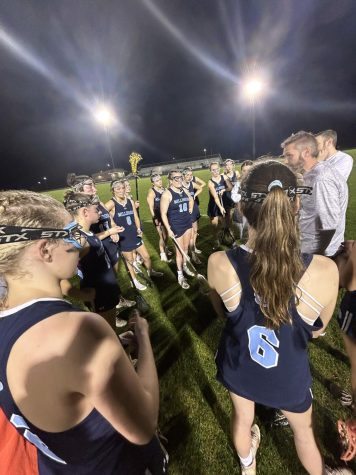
(195, 408)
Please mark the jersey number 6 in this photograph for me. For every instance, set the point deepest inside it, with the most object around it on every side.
(262, 344)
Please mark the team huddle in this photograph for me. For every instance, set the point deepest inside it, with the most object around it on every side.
(73, 401)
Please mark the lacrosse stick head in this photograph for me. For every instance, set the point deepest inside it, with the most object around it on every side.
(134, 159)
(347, 433)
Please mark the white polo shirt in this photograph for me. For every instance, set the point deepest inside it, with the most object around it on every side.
(342, 162)
(325, 209)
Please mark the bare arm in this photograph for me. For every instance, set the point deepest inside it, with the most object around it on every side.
(150, 201)
(198, 189)
(136, 218)
(110, 206)
(199, 181)
(128, 400)
(332, 293)
(165, 200)
(222, 278)
(191, 201)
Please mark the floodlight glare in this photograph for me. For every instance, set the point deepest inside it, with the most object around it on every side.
(253, 88)
(104, 116)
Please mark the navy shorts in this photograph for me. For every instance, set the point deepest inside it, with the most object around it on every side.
(347, 314)
(213, 209)
(195, 214)
(227, 201)
(180, 230)
(130, 245)
(136, 459)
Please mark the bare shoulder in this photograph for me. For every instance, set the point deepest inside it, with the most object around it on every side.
(218, 260)
(221, 274)
(109, 204)
(322, 264)
(321, 279)
(166, 194)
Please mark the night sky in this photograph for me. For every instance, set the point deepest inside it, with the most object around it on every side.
(172, 69)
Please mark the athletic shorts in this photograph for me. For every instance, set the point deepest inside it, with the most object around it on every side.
(180, 230)
(195, 214)
(213, 209)
(227, 201)
(347, 314)
(130, 245)
(141, 459)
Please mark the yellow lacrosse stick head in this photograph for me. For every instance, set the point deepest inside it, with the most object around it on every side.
(134, 159)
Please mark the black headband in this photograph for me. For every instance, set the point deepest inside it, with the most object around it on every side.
(72, 204)
(10, 234)
(291, 192)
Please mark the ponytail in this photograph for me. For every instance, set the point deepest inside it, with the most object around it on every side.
(276, 263)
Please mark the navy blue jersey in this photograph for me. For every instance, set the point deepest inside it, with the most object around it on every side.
(219, 186)
(227, 201)
(196, 212)
(102, 225)
(178, 212)
(124, 216)
(92, 446)
(157, 203)
(95, 270)
(194, 180)
(267, 366)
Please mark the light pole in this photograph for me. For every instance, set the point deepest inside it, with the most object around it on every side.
(204, 152)
(253, 89)
(105, 116)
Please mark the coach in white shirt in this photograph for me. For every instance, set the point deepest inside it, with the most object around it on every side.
(322, 214)
(341, 161)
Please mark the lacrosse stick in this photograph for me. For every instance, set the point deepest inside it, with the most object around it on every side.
(134, 159)
(203, 283)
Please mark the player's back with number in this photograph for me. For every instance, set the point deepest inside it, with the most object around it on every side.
(273, 358)
(275, 299)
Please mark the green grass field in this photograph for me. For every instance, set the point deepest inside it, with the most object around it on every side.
(195, 409)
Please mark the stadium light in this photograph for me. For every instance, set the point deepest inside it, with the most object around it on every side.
(253, 89)
(204, 152)
(105, 116)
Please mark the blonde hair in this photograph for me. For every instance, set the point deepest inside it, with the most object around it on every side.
(26, 209)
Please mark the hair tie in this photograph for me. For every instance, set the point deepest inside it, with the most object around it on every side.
(275, 183)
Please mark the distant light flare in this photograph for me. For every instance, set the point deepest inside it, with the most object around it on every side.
(202, 56)
(24, 54)
(105, 116)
